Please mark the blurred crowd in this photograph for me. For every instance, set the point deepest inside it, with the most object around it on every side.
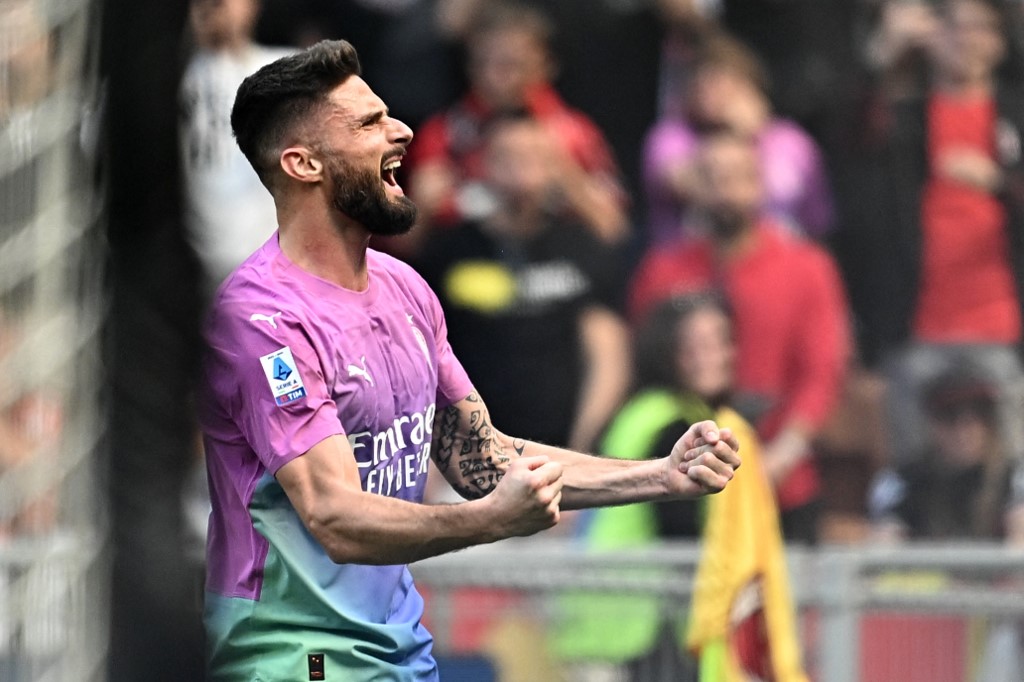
(806, 216)
(846, 176)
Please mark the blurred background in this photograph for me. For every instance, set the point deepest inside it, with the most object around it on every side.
(845, 178)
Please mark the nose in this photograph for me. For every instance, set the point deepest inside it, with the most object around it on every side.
(400, 133)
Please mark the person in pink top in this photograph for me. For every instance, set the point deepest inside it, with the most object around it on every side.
(327, 388)
(792, 332)
(729, 92)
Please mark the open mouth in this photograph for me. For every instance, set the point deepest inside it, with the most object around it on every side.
(388, 170)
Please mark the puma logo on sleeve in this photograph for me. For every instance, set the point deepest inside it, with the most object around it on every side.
(269, 319)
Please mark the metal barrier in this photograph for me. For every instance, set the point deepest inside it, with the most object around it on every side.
(901, 614)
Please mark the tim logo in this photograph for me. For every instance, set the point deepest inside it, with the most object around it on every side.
(316, 666)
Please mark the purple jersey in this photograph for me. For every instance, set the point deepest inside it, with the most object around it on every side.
(294, 359)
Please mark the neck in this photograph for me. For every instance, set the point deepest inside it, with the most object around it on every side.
(738, 245)
(325, 243)
(522, 219)
(968, 86)
(228, 44)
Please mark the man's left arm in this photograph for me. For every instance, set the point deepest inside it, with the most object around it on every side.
(473, 457)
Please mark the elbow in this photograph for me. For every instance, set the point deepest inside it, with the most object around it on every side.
(339, 546)
(341, 552)
(345, 551)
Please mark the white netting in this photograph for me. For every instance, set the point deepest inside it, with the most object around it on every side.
(52, 622)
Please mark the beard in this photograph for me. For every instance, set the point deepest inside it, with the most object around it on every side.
(727, 222)
(360, 195)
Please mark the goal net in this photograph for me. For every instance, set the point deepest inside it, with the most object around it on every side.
(53, 619)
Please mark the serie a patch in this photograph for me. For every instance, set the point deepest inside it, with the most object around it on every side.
(283, 376)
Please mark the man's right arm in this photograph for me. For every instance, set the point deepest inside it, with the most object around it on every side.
(354, 526)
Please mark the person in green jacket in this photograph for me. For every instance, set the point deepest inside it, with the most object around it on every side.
(684, 363)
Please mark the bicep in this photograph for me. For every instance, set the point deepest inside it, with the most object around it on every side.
(323, 475)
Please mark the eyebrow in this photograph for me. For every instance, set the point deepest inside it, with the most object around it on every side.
(372, 118)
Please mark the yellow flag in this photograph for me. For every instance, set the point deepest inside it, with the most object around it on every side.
(742, 621)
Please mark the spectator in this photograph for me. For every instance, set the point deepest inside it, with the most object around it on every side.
(230, 213)
(792, 335)
(30, 432)
(30, 428)
(962, 486)
(529, 294)
(685, 356)
(26, 66)
(729, 91)
(896, 51)
(620, 41)
(933, 244)
(808, 46)
(27, 78)
(510, 71)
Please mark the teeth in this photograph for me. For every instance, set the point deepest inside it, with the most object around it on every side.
(392, 165)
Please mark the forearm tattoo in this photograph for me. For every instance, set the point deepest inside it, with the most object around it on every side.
(468, 451)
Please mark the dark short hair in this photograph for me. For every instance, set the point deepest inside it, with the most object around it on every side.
(272, 100)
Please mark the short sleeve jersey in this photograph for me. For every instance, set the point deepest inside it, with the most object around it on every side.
(292, 360)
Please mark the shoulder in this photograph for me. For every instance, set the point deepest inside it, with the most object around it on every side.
(794, 250)
(401, 280)
(258, 292)
(385, 262)
(381, 264)
(198, 70)
(437, 135)
(435, 124)
(638, 424)
(789, 131)
(670, 128)
(1010, 100)
(786, 136)
(670, 138)
(655, 404)
(663, 268)
(679, 255)
(547, 104)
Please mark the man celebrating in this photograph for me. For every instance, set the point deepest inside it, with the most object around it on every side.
(329, 382)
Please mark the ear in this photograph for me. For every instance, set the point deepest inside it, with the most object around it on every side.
(301, 164)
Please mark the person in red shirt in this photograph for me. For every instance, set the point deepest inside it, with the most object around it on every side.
(792, 331)
(510, 70)
(934, 244)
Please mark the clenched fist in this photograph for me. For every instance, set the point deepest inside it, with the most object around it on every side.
(703, 460)
(527, 498)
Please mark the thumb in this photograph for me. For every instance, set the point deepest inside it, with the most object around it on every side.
(532, 462)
